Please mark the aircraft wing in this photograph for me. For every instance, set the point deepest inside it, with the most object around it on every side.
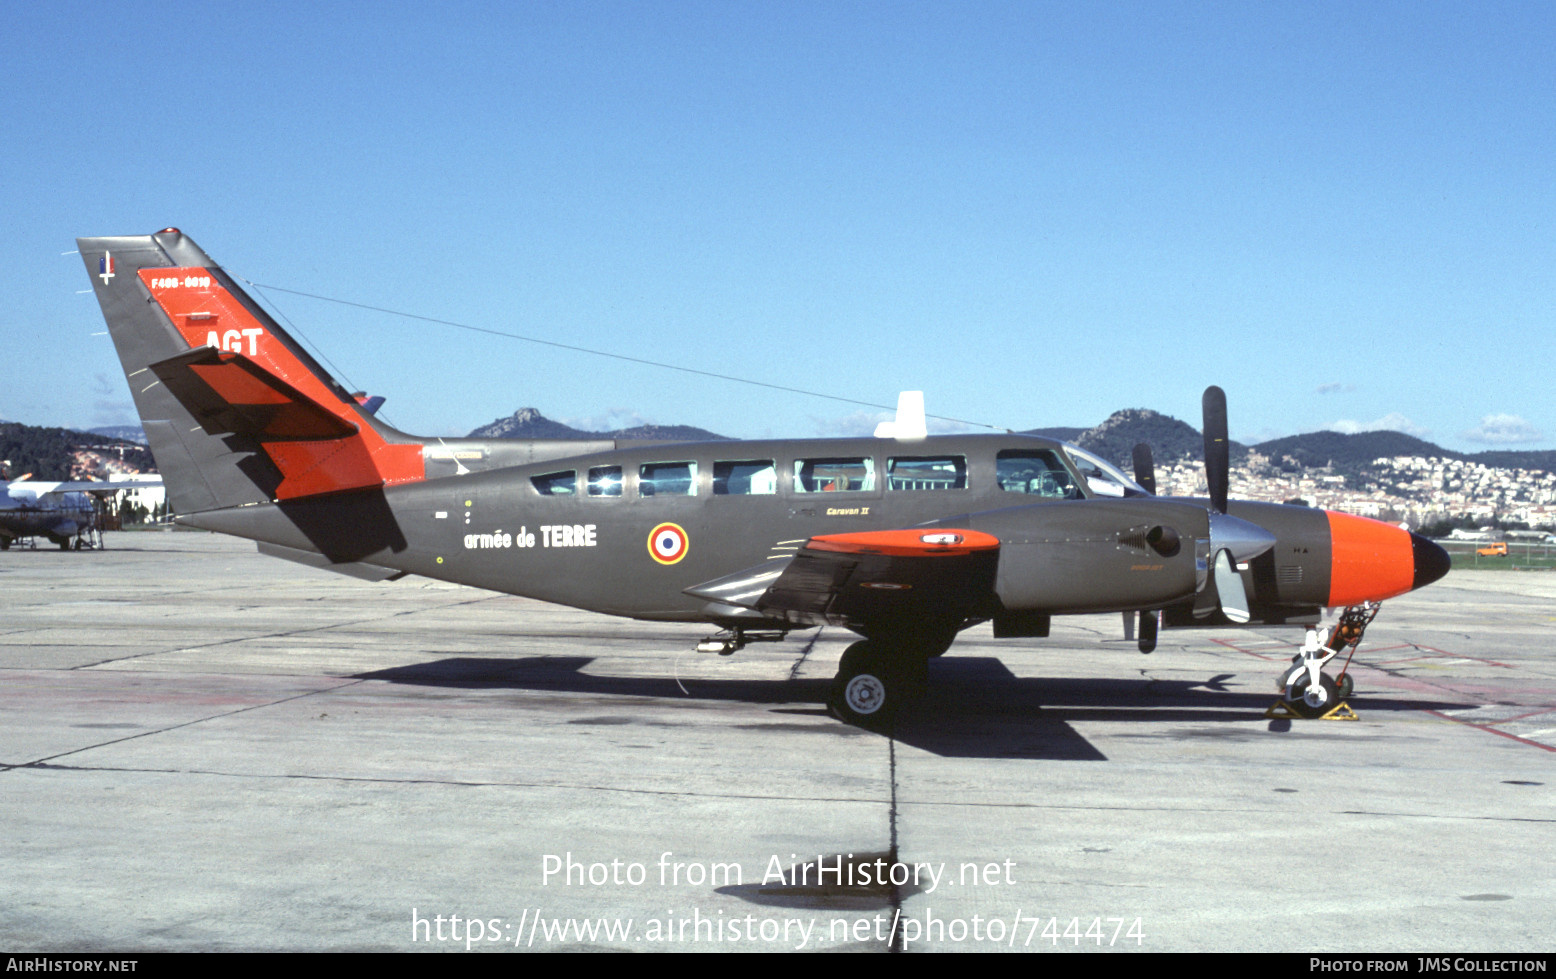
(903, 576)
(39, 489)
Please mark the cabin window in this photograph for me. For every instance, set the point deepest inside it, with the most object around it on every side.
(1037, 472)
(754, 477)
(605, 481)
(836, 475)
(556, 484)
(926, 473)
(667, 479)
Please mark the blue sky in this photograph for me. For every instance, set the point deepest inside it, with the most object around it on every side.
(1037, 213)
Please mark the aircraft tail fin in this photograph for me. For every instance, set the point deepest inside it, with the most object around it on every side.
(235, 411)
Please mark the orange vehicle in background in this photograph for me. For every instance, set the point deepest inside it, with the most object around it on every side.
(1492, 550)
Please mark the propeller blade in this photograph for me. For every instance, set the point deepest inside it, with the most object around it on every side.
(1229, 589)
(1149, 623)
(1218, 451)
(1145, 468)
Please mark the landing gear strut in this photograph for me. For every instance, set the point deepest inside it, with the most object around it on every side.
(1307, 691)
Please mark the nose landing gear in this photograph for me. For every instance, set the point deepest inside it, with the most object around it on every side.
(1307, 691)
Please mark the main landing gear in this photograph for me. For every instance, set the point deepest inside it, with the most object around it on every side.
(1307, 691)
(878, 677)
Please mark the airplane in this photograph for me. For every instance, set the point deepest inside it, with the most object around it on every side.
(63, 512)
(904, 538)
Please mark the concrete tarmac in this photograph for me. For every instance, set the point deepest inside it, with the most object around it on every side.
(206, 749)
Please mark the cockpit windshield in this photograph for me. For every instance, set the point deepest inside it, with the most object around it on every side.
(1104, 478)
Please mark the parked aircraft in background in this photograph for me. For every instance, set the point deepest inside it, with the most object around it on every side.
(906, 539)
(62, 512)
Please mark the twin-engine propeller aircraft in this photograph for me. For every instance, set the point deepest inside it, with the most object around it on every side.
(904, 539)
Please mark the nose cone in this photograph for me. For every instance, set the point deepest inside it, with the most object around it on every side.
(1372, 560)
(1431, 561)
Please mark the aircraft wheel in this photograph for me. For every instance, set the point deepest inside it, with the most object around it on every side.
(855, 655)
(1290, 676)
(5, 543)
(1299, 700)
(64, 545)
(870, 686)
(1347, 686)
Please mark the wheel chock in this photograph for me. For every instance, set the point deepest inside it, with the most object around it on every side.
(1281, 711)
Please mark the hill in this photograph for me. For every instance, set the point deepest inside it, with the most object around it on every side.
(59, 453)
(121, 433)
(1171, 440)
(529, 423)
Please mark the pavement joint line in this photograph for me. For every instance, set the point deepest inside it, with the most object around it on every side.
(1217, 809)
(277, 635)
(44, 766)
(794, 671)
(174, 727)
(896, 944)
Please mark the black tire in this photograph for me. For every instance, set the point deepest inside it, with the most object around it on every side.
(1347, 686)
(855, 655)
(873, 682)
(1302, 708)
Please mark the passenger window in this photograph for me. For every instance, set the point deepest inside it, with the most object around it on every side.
(556, 484)
(605, 481)
(854, 475)
(1036, 472)
(667, 479)
(927, 473)
(755, 477)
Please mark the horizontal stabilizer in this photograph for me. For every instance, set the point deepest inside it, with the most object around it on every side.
(354, 569)
(227, 393)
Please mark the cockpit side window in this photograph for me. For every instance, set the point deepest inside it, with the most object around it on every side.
(1104, 478)
(1036, 472)
(556, 484)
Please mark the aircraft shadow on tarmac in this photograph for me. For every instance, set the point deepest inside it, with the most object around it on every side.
(975, 707)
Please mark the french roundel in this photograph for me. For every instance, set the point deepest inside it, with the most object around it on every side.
(667, 543)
